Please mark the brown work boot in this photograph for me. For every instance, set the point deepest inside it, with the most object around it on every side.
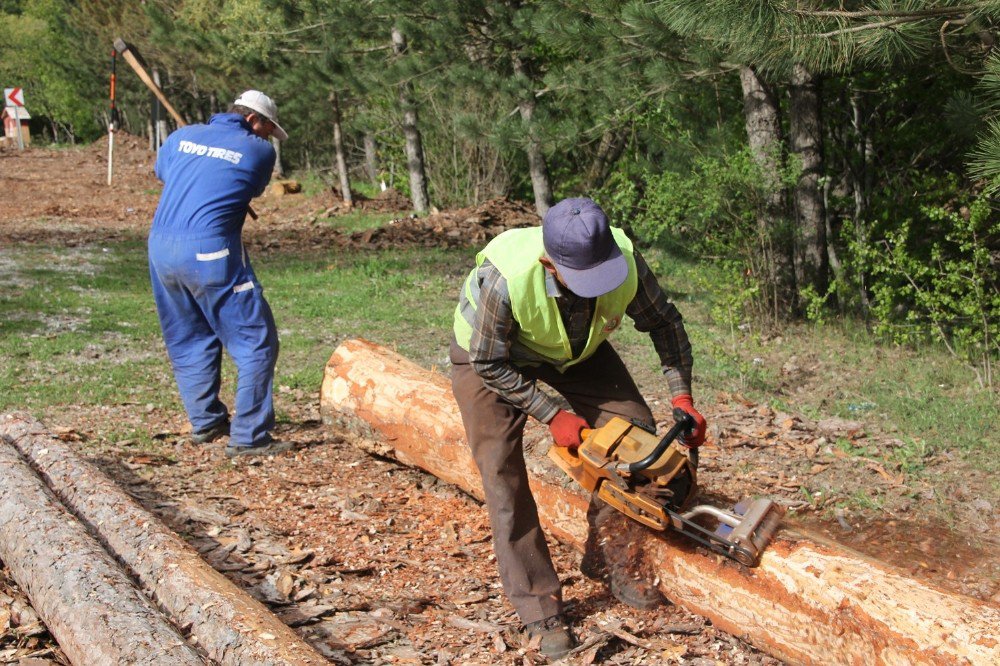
(628, 575)
(593, 564)
(634, 591)
(553, 635)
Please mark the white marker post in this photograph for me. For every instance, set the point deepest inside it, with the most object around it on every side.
(16, 97)
(114, 114)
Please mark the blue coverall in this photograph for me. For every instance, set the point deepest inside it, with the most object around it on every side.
(206, 293)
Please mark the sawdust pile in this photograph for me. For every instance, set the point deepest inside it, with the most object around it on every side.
(456, 228)
(464, 227)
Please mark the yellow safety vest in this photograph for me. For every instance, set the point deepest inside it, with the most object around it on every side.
(515, 254)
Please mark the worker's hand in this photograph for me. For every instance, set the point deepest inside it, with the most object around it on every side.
(697, 435)
(565, 428)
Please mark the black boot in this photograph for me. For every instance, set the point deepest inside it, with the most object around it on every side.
(634, 591)
(555, 639)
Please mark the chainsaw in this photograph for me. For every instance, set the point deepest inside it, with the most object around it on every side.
(653, 481)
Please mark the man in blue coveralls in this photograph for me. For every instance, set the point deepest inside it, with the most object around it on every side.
(206, 293)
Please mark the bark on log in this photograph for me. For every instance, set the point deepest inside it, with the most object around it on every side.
(88, 603)
(231, 626)
(806, 603)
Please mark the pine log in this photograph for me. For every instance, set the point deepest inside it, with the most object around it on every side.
(87, 602)
(230, 625)
(806, 603)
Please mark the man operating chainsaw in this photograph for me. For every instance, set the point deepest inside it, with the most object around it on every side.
(539, 306)
(207, 295)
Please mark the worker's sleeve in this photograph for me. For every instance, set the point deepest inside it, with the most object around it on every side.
(264, 169)
(494, 332)
(653, 313)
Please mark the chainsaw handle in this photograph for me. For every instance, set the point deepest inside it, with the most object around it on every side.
(683, 422)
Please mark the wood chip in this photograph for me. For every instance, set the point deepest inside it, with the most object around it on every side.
(474, 625)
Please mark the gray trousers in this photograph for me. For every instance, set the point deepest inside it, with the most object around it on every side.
(597, 389)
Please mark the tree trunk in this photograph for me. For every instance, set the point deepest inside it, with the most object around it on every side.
(805, 603)
(539, 171)
(612, 145)
(371, 158)
(861, 184)
(763, 123)
(812, 266)
(279, 169)
(88, 603)
(338, 148)
(162, 129)
(232, 627)
(414, 146)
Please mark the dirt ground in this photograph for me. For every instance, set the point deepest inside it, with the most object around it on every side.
(336, 542)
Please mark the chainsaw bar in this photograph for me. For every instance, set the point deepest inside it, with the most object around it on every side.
(711, 540)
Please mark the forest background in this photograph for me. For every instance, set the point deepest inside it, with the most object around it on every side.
(836, 161)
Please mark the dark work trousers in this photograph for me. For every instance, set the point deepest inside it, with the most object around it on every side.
(597, 389)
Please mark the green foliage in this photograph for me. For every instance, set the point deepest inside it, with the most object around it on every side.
(934, 276)
(38, 52)
(815, 305)
(909, 97)
(709, 212)
(985, 158)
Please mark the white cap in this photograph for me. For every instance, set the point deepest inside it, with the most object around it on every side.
(265, 106)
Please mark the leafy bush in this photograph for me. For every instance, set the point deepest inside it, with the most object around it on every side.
(936, 277)
(709, 212)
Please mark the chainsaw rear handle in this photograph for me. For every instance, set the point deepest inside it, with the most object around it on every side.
(683, 424)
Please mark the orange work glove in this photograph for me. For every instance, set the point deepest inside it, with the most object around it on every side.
(697, 435)
(565, 428)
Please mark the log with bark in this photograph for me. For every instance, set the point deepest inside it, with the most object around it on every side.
(807, 602)
(87, 602)
(230, 625)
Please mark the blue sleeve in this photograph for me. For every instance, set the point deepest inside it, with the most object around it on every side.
(262, 174)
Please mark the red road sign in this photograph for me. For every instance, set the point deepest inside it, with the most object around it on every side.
(14, 96)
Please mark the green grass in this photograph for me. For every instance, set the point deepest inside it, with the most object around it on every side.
(402, 299)
(928, 399)
(78, 326)
(362, 221)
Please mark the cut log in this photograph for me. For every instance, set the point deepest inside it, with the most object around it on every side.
(87, 602)
(230, 625)
(806, 603)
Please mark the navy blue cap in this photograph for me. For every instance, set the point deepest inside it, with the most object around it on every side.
(578, 240)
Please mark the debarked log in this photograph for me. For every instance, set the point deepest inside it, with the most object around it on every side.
(806, 603)
(87, 602)
(230, 625)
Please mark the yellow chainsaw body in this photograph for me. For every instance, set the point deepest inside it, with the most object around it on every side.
(597, 465)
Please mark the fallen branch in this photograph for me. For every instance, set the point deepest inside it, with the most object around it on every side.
(87, 602)
(805, 603)
(231, 626)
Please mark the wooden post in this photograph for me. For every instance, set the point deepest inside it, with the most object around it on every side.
(88, 603)
(806, 603)
(231, 626)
